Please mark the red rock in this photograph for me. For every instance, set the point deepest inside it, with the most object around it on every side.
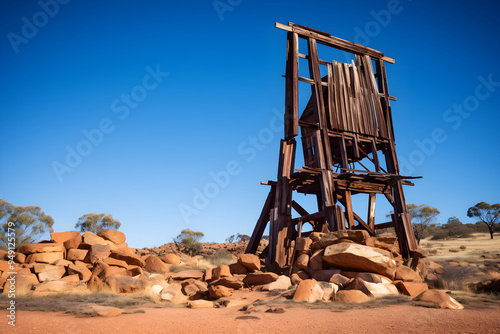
(324, 275)
(125, 284)
(114, 262)
(439, 299)
(372, 289)
(282, 283)
(298, 277)
(45, 257)
(115, 236)
(200, 304)
(130, 259)
(260, 278)
(302, 261)
(186, 274)
(308, 291)
(316, 260)
(370, 277)
(98, 253)
(351, 296)
(250, 261)
(53, 286)
(192, 287)
(329, 290)
(360, 258)
(90, 238)
(303, 244)
(81, 269)
(233, 282)
(208, 275)
(412, 289)
(73, 242)
(171, 258)
(221, 271)
(76, 254)
(112, 271)
(155, 265)
(19, 258)
(71, 279)
(219, 291)
(40, 248)
(62, 237)
(238, 269)
(25, 282)
(407, 274)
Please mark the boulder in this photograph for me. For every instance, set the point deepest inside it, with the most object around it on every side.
(329, 290)
(219, 291)
(438, 299)
(339, 279)
(282, 283)
(372, 289)
(63, 263)
(191, 287)
(40, 248)
(303, 244)
(90, 238)
(324, 275)
(326, 239)
(412, 289)
(45, 257)
(53, 274)
(233, 282)
(73, 242)
(153, 264)
(302, 261)
(360, 258)
(260, 278)
(19, 258)
(130, 259)
(115, 236)
(370, 277)
(81, 269)
(172, 295)
(406, 274)
(62, 237)
(112, 271)
(308, 291)
(237, 269)
(207, 277)
(52, 286)
(114, 262)
(98, 252)
(76, 254)
(316, 260)
(25, 282)
(71, 279)
(249, 261)
(221, 271)
(299, 276)
(351, 296)
(187, 274)
(171, 258)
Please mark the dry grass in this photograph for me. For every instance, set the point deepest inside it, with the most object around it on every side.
(461, 248)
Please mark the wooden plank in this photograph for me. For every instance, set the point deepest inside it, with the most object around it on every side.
(375, 159)
(357, 96)
(343, 153)
(332, 112)
(318, 101)
(335, 42)
(371, 210)
(258, 231)
(300, 210)
(348, 208)
(384, 225)
(363, 224)
(381, 121)
(292, 87)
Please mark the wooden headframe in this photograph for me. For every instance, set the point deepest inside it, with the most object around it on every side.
(347, 122)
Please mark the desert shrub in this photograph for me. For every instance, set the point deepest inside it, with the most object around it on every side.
(191, 241)
(221, 257)
(439, 234)
(454, 250)
(463, 247)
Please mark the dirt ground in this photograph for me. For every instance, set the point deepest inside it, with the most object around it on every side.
(390, 319)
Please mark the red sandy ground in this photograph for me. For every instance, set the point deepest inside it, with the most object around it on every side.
(391, 319)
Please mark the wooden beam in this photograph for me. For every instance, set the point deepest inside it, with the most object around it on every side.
(292, 87)
(371, 209)
(335, 42)
(253, 244)
(300, 210)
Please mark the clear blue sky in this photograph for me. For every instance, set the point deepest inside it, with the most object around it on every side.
(85, 67)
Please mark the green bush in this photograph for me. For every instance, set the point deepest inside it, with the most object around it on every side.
(439, 234)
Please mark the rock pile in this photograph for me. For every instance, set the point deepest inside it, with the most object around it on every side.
(342, 266)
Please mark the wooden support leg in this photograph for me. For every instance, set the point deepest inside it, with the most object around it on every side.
(371, 210)
(258, 231)
(348, 209)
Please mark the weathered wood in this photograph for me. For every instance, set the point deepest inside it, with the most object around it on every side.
(371, 210)
(258, 231)
(292, 85)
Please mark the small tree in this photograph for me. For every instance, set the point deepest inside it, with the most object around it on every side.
(95, 222)
(243, 237)
(29, 224)
(230, 239)
(486, 213)
(191, 240)
(455, 229)
(422, 216)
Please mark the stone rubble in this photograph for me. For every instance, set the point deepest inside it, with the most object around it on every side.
(342, 266)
